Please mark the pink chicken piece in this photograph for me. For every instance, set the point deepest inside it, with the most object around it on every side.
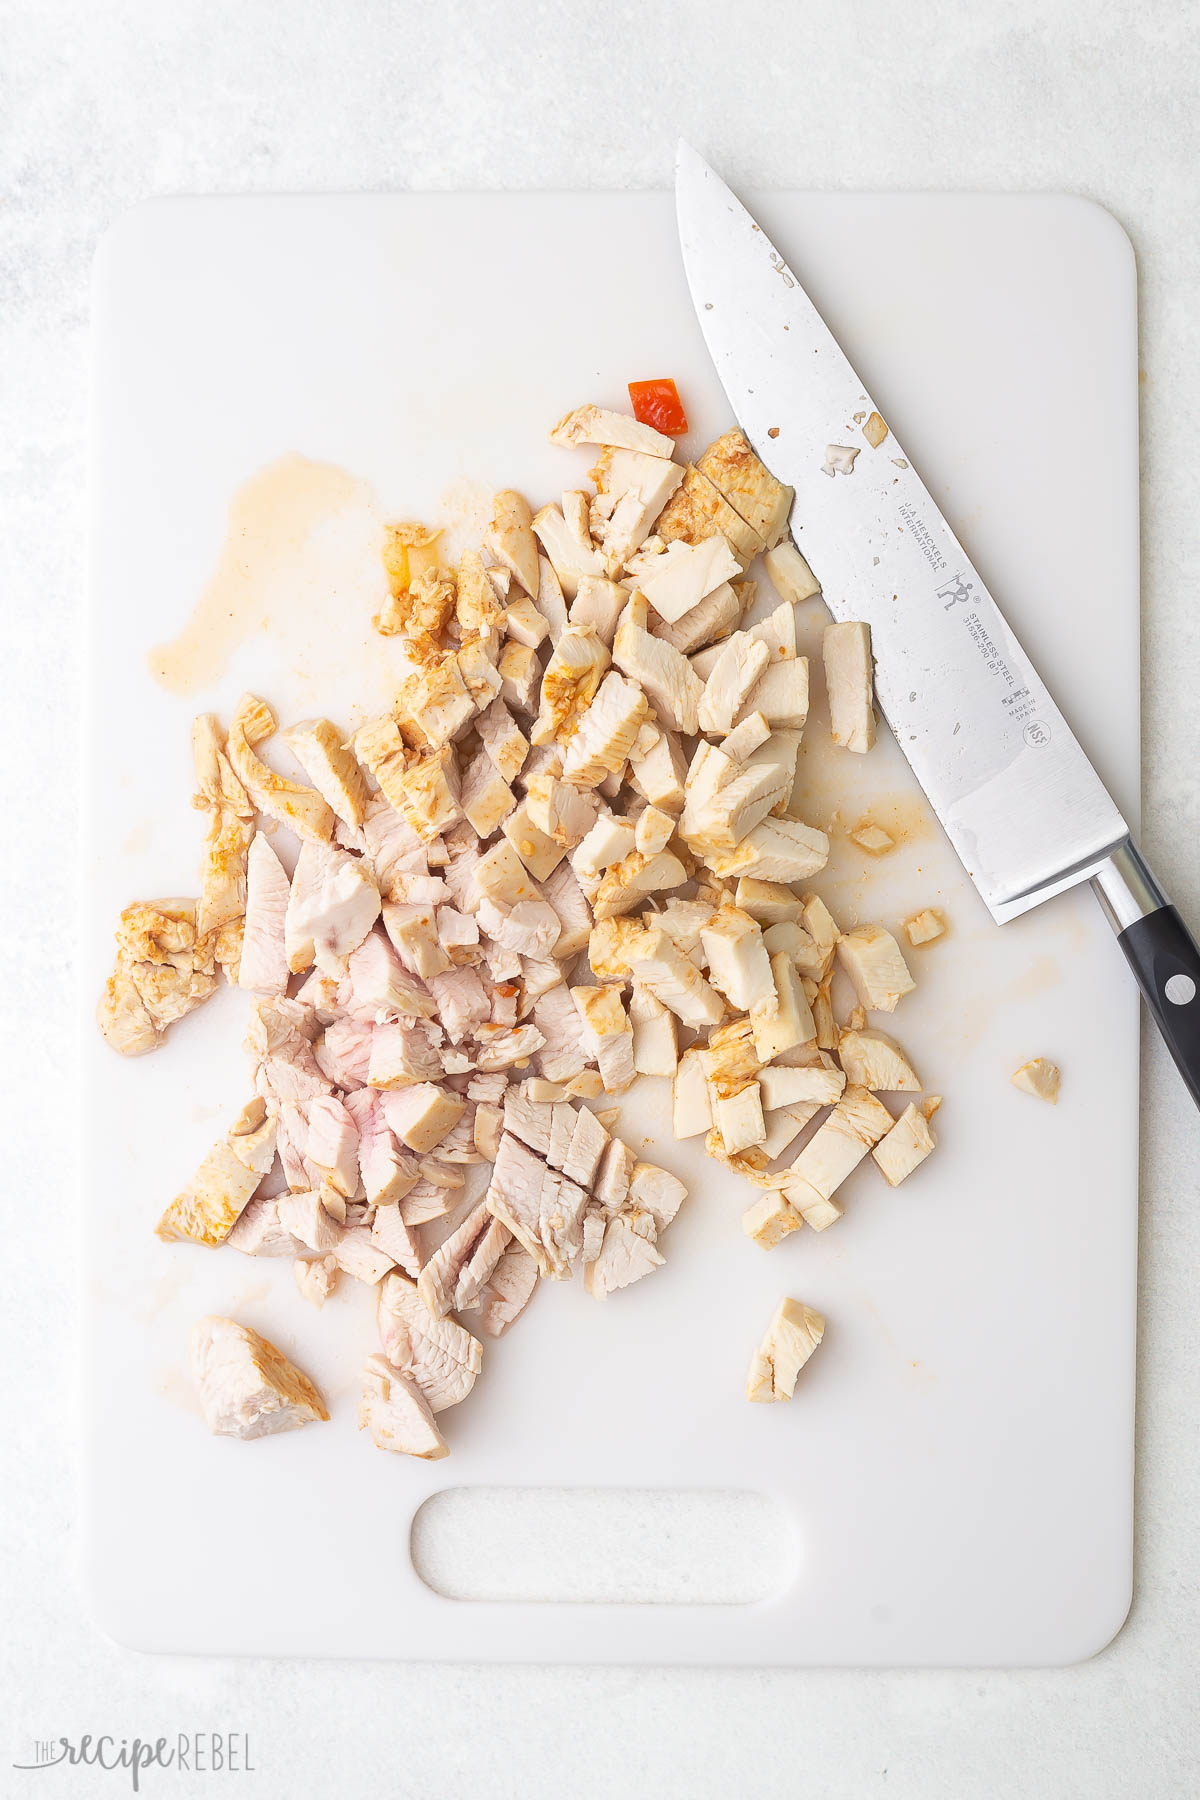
(264, 963)
(333, 1142)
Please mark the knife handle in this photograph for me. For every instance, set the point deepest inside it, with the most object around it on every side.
(1161, 951)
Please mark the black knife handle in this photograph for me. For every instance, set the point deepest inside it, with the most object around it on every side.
(1161, 951)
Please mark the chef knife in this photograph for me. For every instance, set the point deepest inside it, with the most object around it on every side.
(1022, 805)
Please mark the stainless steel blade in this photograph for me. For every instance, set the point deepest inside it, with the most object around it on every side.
(1021, 803)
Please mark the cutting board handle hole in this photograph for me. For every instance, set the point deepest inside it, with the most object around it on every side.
(605, 1546)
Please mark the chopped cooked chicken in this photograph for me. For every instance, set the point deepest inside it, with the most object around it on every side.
(301, 808)
(677, 982)
(455, 861)
(850, 683)
(610, 430)
(790, 1339)
(395, 1412)
(925, 926)
(855, 1125)
(332, 905)
(873, 839)
(873, 960)
(790, 574)
(1040, 1078)
(332, 767)
(905, 1146)
(873, 1060)
(511, 540)
(264, 964)
(664, 673)
(608, 1035)
(164, 969)
(750, 488)
(316, 1278)
(226, 1180)
(697, 510)
(438, 1355)
(655, 1038)
(507, 1292)
(248, 1388)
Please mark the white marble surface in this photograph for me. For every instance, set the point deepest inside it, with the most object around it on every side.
(102, 104)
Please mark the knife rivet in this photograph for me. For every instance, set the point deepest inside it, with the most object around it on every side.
(1180, 989)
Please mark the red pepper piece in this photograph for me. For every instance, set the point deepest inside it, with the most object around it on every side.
(657, 403)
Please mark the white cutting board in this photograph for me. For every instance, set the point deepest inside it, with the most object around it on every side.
(952, 1482)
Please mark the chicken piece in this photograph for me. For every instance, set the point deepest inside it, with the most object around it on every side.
(429, 792)
(163, 970)
(607, 732)
(332, 905)
(524, 622)
(264, 961)
(550, 601)
(530, 928)
(300, 808)
(507, 1292)
(739, 1119)
(316, 1278)
(222, 900)
(775, 850)
(839, 459)
(438, 1281)
(790, 1339)
(785, 1019)
(569, 684)
(540, 853)
(855, 1125)
(503, 740)
(698, 510)
(257, 1231)
(330, 764)
(570, 556)
(564, 1055)
(692, 1105)
(611, 1184)
(332, 1144)
(608, 841)
(514, 1195)
(422, 1115)
(433, 703)
(706, 623)
(607, 1034)
(598, 604)
(748, 485)
(386, 1175)
(589, 1141)
(686, 574)
(627, 1252)
(873, 960)
(380, 968)
(738, 964)
(678, 983)
(905, 1146)
(734, 676)
(792, 578)
(396, 1413)
(925, 926)
(394, 852)
(530, 1120)
(511, 541)
(662, 671)
(787, 1085)
(562, 891)
(873, 1060)
(307, 1216)
(824, 1023)
(783, 1126)
(419, 609)
(654, 831)
(560, 811)
(770, 902)
(632, 489)
(655, 1038)
(612, 430)
(1040, 1078)
(658, 771)
(225, 1182)
(819, 922)
(487, 1127)
(247, 1388)
(476, 607)
(280, 1041)
(627, 883)
(873, 839)
(849, 680)
(781, 693)
(771, 1218)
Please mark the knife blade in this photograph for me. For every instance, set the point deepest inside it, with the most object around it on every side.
(1017, 796)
